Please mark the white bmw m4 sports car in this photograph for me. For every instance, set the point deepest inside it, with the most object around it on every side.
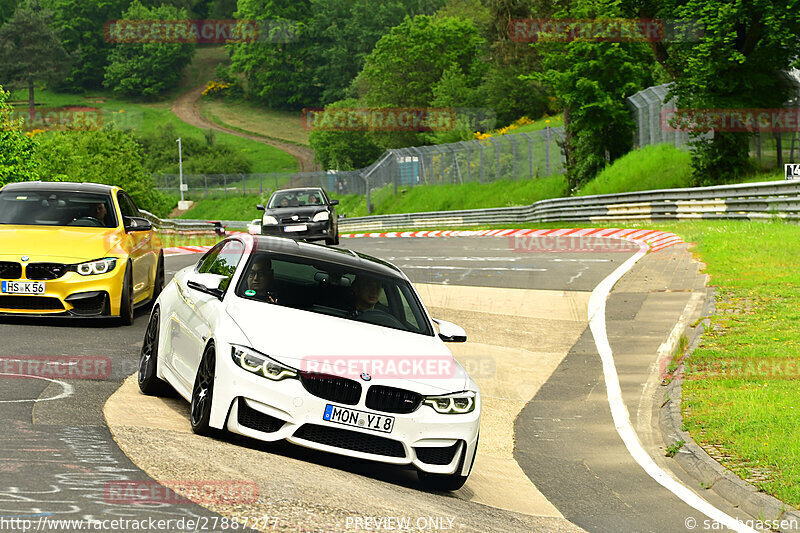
(325, 347)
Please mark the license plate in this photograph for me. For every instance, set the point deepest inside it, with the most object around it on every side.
(296, 227)
(22, 287)
(359, 419)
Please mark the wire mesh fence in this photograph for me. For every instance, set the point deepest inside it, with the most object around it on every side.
(652, 108)
(517, 156)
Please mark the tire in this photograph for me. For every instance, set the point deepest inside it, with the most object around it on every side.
(149, 382)
(332, 241)
(203, 394)
(126, 298)
(158, 285)
(447, 482)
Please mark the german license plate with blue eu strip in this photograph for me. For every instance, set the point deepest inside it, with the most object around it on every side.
(359, 419)
(22, 287)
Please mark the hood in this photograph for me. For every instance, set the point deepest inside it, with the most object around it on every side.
(305, 210)
(56, 243)
(338, 346)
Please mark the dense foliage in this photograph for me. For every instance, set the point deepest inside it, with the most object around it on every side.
(107, 156)
(147, 69)
(16, 149)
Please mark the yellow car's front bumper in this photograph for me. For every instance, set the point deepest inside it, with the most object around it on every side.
(71, 295)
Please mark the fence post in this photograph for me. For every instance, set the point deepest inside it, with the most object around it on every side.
(547, 151)
(513, 142)
(497, 154)
(244, 185)
(261, 184)
(205, 183)
(225, 184)
(480, 145)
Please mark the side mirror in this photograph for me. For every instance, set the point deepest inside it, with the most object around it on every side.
(207, 283)
(449, 332)
(261, 207)
(334, 202)
(137, 224)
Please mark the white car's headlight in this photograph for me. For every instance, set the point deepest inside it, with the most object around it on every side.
(260, 364)
(321, 216)
(452, 404)
(98, 266)
(269, 220)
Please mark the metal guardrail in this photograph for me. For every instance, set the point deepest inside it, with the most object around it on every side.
(741, 201)
(178, 225)
(749, 201)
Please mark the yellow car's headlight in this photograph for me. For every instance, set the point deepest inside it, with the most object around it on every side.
(96, 267)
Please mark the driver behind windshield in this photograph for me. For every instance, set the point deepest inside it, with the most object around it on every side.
(366, 292)
(259, 279)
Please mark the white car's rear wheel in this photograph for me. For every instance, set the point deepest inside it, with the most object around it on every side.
(203, 393)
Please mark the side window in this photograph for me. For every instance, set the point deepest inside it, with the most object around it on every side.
(207, 260)
(126, 206)
(224, 262)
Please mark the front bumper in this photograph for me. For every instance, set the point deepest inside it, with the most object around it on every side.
(256, 407)
(71, 295)
(313, 231)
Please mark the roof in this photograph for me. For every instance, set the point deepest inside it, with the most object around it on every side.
(297, 189)
(60, 186)
(339, 256)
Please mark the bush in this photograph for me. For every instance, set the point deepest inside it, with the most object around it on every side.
(17, 161)
(108, 156)
(199, 156)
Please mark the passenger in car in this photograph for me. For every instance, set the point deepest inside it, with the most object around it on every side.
(259, 279)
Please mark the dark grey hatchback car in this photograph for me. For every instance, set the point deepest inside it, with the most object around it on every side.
(305, 213)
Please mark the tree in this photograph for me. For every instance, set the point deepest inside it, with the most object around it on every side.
(736, 62)
(343, 150)
(341, 34)
(590, 80)
(416, 54)
(30, 50)
(146, 70)
(7, 8)
(277, 73)
(17, 161)
(81, 25)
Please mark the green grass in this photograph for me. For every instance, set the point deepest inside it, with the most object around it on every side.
(658, 166)
(253, 119)
(453, 197)
(234, 207)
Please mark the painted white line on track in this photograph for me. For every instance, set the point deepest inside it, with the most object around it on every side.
(619, 412)
(67, 391)
(493, 269)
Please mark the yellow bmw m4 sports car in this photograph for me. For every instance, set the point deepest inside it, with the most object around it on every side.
(75, 249)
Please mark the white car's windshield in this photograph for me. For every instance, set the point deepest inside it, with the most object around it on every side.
(56, 208)
(335, 290)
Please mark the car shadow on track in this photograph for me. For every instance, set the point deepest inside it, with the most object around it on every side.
(400, 475)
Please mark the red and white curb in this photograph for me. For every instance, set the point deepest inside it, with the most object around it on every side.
(656, 240)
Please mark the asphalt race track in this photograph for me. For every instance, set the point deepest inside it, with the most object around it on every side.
(558, 443)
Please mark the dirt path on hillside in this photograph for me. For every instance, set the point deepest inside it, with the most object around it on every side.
(185, 108)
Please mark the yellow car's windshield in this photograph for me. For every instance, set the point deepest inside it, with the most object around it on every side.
(56, 208)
